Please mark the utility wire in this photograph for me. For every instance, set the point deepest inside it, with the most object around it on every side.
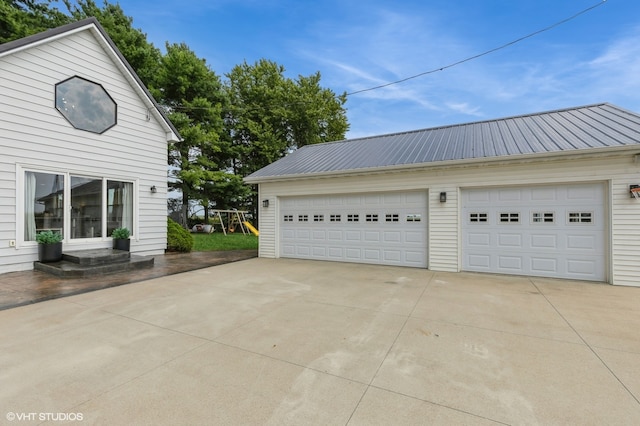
(557, 24)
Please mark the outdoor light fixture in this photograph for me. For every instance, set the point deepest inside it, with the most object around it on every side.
(265, 203)
(154, 189)
(443, 197)
(635, 191)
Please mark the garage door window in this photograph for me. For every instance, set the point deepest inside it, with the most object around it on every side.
(288, 218)
(509, 217)
(372, 218)
(303, 218)
(478, 217)
(353, 218)
(318, 218)
(580, 217)
(538, 217)
(414, 218)
(392, 217)
(334, 218)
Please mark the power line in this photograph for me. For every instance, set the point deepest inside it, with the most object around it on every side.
(550, 27)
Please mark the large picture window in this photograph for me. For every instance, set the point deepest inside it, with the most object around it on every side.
(96, 206)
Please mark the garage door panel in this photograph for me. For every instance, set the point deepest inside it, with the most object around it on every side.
(392, 237)
(543, 266)
(553, 231)
(371, 255)
(318, 251)
(335, 253)
(510, 195)
(372, 236)
(544, 241)
(479, 239)
(510, 263)
(303, 234)
(353, 236)
(510, 240)
(387, 228)
(301, 250)
(288, 250)
(479, 261)
(544, 194)
(318, 235)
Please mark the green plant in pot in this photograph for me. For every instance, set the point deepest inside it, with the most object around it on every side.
(121, 239)
(49, 246)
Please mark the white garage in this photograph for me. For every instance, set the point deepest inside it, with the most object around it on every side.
(550, 231)
(546, 194)
(381, 228)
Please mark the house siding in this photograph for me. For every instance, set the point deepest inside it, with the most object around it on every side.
(617, 171)
(33, 134)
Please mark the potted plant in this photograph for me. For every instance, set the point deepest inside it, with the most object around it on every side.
(49, 246)
(121, 239)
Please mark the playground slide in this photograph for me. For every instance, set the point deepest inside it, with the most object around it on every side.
(251, 228)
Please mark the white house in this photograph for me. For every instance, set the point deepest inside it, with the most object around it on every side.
(83, 146)
(545, 194)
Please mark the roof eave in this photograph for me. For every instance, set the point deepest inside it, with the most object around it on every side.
(591, 152)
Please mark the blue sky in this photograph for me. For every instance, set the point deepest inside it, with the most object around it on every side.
(360, 44)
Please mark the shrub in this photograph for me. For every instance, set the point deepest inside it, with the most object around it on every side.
(120, 234)
(48, 237)
(178, 238)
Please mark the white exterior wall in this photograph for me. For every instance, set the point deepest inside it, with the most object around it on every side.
(33, 134)
(618, 172)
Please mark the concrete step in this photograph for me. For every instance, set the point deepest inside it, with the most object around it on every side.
(87, 263)
(96, 256)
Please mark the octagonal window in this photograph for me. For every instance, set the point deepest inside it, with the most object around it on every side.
(86, 105)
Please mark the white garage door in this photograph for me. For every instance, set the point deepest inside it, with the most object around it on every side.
(380, 228)
(550, 231)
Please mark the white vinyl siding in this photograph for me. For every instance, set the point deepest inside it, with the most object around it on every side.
(34, 135)
(623, 223)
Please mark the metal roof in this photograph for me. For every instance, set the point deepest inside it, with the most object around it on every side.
(90, 23)
(563, 131)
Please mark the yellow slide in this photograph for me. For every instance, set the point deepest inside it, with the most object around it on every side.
(251, 228)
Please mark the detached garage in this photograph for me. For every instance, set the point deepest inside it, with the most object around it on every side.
(545, 194)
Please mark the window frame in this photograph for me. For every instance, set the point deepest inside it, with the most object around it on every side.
(21, 171)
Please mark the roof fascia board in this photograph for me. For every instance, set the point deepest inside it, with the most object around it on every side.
(504, 160)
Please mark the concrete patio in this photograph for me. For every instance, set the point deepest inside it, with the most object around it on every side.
(278, 341)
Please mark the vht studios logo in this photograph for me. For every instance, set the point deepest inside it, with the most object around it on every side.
(52, 417)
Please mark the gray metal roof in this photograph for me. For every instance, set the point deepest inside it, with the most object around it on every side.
(91, 22)
(589, 127)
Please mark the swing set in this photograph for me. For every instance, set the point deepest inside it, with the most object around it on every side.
(235, 219)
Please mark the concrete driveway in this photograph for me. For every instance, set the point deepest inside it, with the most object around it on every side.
(267, 341)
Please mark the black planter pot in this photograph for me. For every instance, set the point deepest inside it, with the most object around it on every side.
(122, 244)
(50, 252)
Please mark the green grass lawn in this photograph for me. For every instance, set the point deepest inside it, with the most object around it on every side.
(217, 241)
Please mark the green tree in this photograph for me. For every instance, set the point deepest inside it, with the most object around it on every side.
(22, 18)
(271, 114)
(193, 96)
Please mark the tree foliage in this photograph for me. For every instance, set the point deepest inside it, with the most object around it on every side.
(22, 18)
(271, 114)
